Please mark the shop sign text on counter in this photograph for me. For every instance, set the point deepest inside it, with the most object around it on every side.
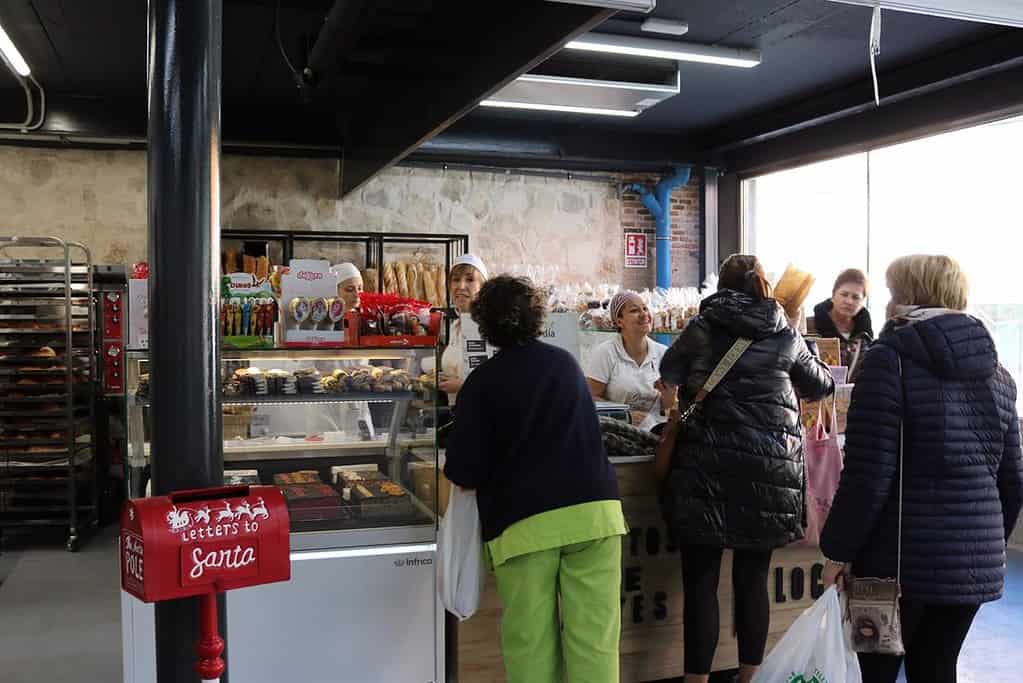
(640, 605)
(635, 250)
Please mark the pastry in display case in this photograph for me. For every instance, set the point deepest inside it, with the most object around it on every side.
(346, 434)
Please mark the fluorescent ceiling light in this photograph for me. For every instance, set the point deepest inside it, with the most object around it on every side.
(669, 26)
(531, 106)
(665, 49)
(11, 54)
(1002, 12)
(612, 85)
(644, 6)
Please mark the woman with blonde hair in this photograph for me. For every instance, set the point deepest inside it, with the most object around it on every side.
(932, 462)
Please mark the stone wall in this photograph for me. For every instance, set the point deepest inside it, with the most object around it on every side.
(574, 227)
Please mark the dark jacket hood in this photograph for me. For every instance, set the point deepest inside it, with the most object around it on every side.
(825, 326)
(951, 345)
(743, 316)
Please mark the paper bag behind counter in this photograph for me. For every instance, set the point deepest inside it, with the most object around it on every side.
(792, 290)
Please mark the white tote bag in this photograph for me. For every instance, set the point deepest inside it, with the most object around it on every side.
(813, 649)
(461, 570)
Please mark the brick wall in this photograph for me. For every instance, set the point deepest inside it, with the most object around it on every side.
(685, 234)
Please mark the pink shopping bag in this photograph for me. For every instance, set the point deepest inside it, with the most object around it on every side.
(823, 458)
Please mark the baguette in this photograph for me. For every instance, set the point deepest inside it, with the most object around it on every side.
(369, 279)
(249, 264)
(441, 280)
(401, 271)
(430, 285)
(262, 268)
(231, 262)
(390, 279)
(415, 281)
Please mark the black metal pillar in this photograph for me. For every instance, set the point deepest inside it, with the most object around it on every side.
(184, 63)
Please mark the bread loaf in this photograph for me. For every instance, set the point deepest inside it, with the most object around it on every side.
(429, 285)
(390, 279)
(231, 262)
(415, 284)
(402, 274)
(370, 279)
(262, 268)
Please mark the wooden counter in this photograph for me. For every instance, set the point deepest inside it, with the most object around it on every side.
(651, 647)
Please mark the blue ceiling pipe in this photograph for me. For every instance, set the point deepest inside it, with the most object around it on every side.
(658, 203)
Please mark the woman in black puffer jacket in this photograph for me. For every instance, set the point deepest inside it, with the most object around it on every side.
(962, 469)
(736, 478)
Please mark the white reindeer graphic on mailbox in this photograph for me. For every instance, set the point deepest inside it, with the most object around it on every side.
(179, 519)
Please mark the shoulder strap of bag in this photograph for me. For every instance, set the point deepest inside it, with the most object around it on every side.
(726, 363)
(902, 431)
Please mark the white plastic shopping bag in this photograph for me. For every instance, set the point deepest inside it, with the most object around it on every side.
(461, 570)
(814, 649)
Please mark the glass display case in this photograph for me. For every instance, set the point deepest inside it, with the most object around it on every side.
(347, 434)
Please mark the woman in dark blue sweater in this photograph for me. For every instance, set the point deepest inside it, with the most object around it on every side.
(527, 439)
(962, 469)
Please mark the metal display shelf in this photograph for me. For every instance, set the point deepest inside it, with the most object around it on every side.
(283, 244)
(48, 475)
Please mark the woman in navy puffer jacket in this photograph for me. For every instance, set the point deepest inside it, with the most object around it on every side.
(963, 470)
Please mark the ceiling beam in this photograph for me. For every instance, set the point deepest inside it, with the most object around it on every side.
(529, 144)
(908, 80)
(967, 102)
(505, 45)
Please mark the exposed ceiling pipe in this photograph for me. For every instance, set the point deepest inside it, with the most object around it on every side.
(336, 39)
(658, 203)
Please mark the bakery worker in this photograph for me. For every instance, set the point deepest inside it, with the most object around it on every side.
(468, 273)
(349, 284)
(626, 368)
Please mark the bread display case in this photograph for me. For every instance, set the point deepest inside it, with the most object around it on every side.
(348, 435)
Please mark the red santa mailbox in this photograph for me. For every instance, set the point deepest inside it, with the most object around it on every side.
(201, 542)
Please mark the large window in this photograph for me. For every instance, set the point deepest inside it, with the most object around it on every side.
(957, 194)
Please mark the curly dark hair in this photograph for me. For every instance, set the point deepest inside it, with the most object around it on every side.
(510, 311)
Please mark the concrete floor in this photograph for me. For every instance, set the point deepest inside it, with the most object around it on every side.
(60, 614)
(60, 618)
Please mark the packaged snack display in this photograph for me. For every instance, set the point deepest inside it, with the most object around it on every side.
(389, 320)
(247, 312)
(306, 289)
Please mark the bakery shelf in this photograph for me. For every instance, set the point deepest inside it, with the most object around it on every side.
(46, 302)
(77, 301)
(38, 331)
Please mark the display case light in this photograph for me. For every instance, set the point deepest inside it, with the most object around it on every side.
(1002, 12)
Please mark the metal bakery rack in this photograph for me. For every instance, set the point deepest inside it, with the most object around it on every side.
(48, 469)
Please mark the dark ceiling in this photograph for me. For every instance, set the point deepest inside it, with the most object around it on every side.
(390, 75)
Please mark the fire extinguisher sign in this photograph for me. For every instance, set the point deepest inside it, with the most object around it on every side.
(635, 250)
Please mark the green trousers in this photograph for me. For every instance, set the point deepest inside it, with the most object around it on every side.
(540, 648)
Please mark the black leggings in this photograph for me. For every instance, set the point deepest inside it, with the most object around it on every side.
(933, 636)
(701, 570)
